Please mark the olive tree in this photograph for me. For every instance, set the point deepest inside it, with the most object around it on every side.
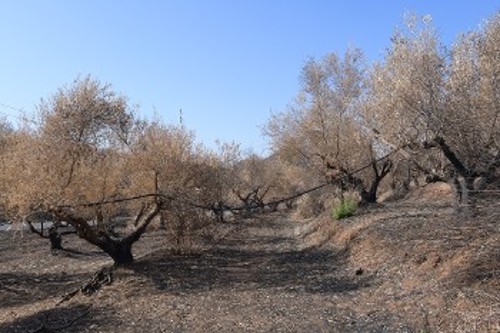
(421, 99)
(471, 124)
(323, 130)
(179, 172)
(73, 162)
(260, 182)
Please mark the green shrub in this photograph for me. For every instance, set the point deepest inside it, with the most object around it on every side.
(346, 208)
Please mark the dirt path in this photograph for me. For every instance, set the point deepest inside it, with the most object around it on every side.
(258, 278)
(424, 269)
(255, 280)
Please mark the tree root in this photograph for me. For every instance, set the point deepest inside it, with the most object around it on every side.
(102, 277)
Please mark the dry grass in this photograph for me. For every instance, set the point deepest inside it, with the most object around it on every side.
(433, 266)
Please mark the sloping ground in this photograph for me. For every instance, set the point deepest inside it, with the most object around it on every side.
(411, 266)
(431, 266)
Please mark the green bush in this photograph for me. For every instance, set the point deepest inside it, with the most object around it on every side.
(346, 208)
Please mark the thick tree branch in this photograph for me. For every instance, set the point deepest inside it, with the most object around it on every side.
(145, 220)
(439, 142)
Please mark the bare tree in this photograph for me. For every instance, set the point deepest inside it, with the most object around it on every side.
(258, 181)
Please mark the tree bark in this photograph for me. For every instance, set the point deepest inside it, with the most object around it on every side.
(370, 196)
(54, 235)
(120, 250)
(462, 180)
(451, 156)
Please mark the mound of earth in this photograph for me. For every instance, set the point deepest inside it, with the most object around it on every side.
(432, 192)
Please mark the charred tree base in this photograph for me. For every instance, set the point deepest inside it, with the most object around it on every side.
(55, 239)
(120, 252)
(119, 249)
(368, 197)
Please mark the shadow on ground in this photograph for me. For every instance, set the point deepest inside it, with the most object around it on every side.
(238, 268)
(75, 318)
(18, 288)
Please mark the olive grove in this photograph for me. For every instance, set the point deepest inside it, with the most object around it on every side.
(424, 98)
(431, 108)
(323, 130)
(87, 159)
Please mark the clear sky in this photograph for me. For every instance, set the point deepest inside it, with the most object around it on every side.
(225, 63)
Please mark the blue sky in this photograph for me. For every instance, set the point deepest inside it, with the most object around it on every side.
(225, 63)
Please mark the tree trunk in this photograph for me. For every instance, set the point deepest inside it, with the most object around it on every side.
(55, 239)
(119, 251)
(462, 180)
(370, 196)
(457, 192)
(468, 196)
(463, 193)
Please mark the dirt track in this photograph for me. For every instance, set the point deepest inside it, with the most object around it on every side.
(256, 279)
(260, 277)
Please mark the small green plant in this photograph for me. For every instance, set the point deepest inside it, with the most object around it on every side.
(346, 208)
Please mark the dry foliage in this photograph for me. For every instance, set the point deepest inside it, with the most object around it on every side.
(434, 112)
(323, 132)
(88, 161)
(422, 98)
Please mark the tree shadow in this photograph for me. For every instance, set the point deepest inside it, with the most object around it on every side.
(233, 269)
(256, 241)
(18, 288)
(74, 318)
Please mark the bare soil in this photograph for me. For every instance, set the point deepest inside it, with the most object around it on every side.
(407, 266)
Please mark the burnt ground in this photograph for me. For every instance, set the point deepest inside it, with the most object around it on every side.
(408, 266)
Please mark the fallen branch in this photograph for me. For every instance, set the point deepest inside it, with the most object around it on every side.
(102, 277)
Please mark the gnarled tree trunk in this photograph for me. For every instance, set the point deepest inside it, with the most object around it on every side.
(461, 179)
(370, 195)
(119, 249)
